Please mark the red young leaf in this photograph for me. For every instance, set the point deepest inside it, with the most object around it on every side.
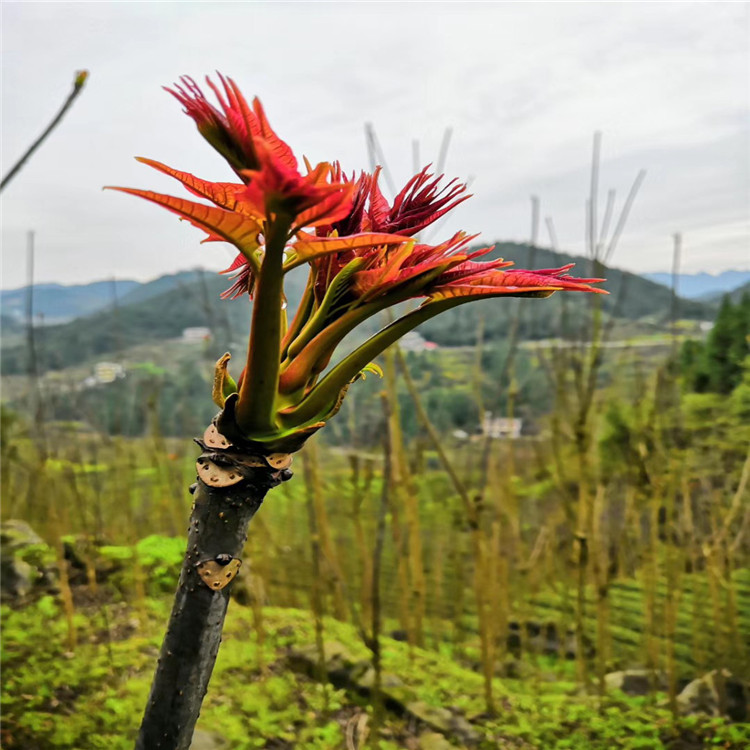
(309, 247)
(239, 229)
(223, 194)
(514, 283)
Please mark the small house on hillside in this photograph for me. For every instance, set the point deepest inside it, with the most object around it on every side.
(108, 372)
(501, 427)
(415, 342)
(197, 333)
(104, 373)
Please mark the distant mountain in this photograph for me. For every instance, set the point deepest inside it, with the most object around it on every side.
(163, 308)
(164, 284)
(631, 297)
(702, 285)
(163, 315)
(154, 311)
(735, 295)
(10, 325)
(55, 303)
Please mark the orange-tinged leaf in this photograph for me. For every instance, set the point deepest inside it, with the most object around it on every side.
(280, 148)
(308, 247)
(223, 194)
(238, 229)
(515, 283)
(386, 272)
(453, 292)
(561, 273)
(329, 209)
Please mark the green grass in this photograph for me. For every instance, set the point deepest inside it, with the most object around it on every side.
(93, 698)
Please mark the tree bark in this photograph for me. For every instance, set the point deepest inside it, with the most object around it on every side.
(216, 537)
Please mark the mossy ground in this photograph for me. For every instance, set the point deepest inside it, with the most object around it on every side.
(92, 698)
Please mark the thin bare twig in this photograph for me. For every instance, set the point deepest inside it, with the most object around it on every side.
(553, 243)
(594, 195)
(624, 216)
(534, 241)
(608, 211)
(443, 153)
(78, 82)
(377, 156)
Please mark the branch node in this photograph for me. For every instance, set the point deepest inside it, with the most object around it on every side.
(219, 572)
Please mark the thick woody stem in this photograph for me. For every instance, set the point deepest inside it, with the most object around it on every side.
(216, 537)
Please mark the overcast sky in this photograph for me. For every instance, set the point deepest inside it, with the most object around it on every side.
(524, 86)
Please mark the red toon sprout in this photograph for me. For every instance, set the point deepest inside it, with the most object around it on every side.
(361, 251)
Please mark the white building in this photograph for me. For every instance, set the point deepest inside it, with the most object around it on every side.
(108, 372)
(415, 342)
(501, 427)
(198, 333)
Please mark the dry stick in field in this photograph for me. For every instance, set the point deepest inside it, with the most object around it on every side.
(728, 554)
(471, 510)
(326, 550)
(376, 624)
(360, 492)
(39, 473)
(409, 542)
(577, 404)
(315, 595)
(674, 559)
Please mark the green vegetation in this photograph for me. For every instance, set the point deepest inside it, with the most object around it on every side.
(163, 308)
(517, 576)
(55, 301)
(631, 298)
(192, 303)
(54, 700)
(718, 364)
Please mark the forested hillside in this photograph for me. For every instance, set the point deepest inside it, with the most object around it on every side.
(163, 308)
(195, 302)
(58, 303)
(631, 297)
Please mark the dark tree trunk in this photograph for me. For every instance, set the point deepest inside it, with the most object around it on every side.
(216, 537)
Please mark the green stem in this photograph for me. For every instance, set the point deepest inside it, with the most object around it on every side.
(316, 354)
(314, 357)
(256, 407)
(317, 321)
(323, 394)
(304, 311)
